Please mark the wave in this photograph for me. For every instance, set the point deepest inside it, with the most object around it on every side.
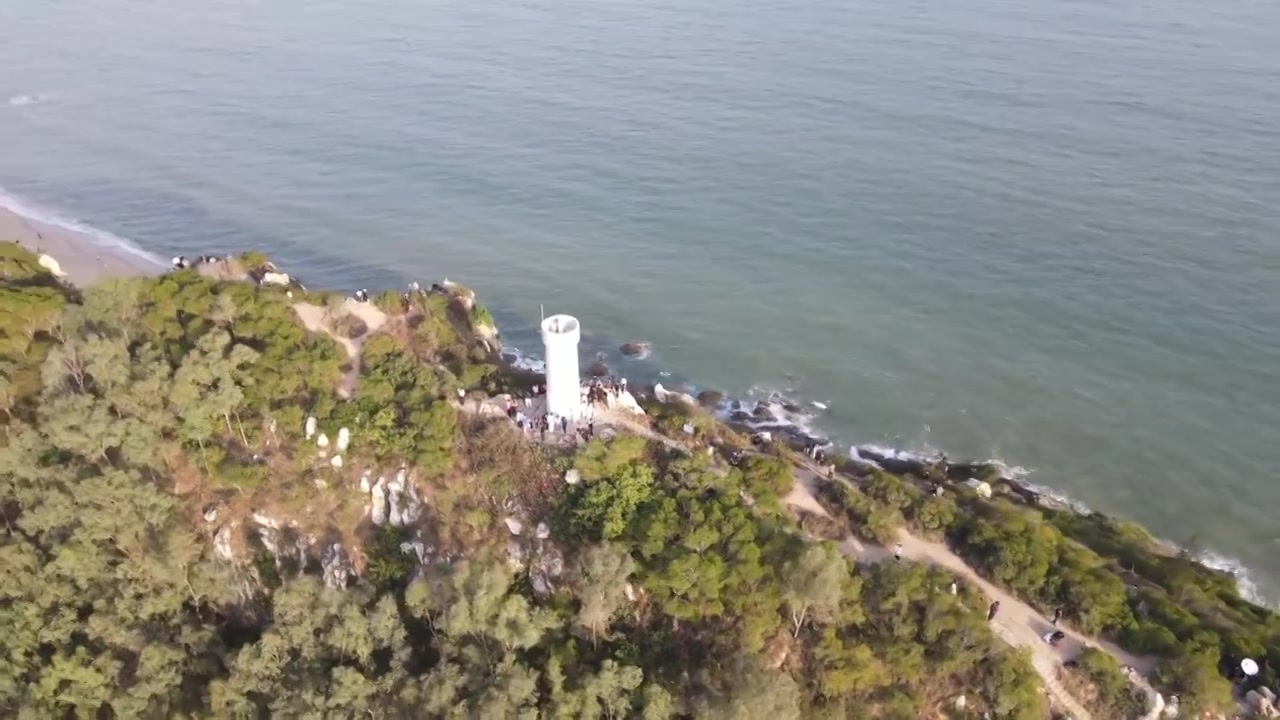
(55, 218)
(33, 99)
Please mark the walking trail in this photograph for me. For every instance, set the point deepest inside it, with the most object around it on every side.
(1016, 623)
(321, 319)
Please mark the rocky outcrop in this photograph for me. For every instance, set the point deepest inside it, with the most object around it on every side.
(598, 369)
(710, 398)
(635, 349)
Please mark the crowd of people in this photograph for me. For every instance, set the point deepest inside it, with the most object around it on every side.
(528, 410)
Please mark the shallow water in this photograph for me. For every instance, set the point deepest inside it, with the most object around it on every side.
(1043, 232)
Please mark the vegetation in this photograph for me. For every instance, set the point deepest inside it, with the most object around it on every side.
(172, 543)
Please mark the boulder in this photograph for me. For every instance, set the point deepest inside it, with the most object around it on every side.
(633, 349)
(710, 398)
(311, 427)
(543, 531)
(344, 439)
(598, 369)
(572, 477)
(762, 412)
(514, 525)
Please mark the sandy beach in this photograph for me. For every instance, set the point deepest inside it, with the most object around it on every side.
(82, 259)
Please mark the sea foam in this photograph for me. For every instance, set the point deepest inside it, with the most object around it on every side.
(97, 236)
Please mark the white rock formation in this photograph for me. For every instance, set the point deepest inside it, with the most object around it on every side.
(365, 486)
(322, 441)
(514, 525)
(379, 512)
(320, 484)
(543, 531)
(222, 544)
(311, 427)
(275, 278)
(211, 515)
(337, 567)
(344, 439)
(48, 263)
(395, 492)
(336, 462)
(572, 476)
(515, 555)
(267, 521)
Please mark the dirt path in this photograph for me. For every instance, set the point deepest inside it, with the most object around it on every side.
(320, 319)
(1017, 623)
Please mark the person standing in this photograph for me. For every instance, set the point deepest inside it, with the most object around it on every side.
(897, 552)
(1057, 615)
(992, 610)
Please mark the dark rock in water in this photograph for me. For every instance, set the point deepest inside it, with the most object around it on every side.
(632, 349)
(984, 471)
(598, 369)
(509, 357)
(791, 407)
(710, 398)
(763, 412)
(894, 464)
(741, 417)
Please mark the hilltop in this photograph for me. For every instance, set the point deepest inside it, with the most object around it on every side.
(232, 496)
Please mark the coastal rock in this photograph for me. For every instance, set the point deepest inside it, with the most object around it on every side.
(710, 398)
(598, 369)
(48, 263)
(514, 525)
(894, 461)
(634, 349)
(762, 412)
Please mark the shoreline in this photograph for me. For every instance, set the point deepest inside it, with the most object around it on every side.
(87, 255)
(83, 260)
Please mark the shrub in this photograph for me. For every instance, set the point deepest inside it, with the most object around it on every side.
(388, 565)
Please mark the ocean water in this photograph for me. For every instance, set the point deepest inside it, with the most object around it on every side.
(1045, 232)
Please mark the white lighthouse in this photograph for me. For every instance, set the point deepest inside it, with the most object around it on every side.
(560, 336)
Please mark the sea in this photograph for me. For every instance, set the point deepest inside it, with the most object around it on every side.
(1040, 231)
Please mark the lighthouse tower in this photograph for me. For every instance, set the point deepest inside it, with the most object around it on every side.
(560, 336)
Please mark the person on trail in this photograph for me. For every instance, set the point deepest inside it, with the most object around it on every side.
(991, 611)
(897, 552)
(954, 588)
(1057, 615)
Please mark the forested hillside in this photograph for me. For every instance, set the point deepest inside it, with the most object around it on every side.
(176, 542)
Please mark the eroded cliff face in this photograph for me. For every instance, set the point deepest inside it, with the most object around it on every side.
(333, 536)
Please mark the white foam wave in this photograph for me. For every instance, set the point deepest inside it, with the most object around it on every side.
(26, 209)
(32, 99)
(1245, 585)
(520, 361)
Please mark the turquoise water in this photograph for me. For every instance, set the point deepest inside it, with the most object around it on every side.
(1046, 232)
